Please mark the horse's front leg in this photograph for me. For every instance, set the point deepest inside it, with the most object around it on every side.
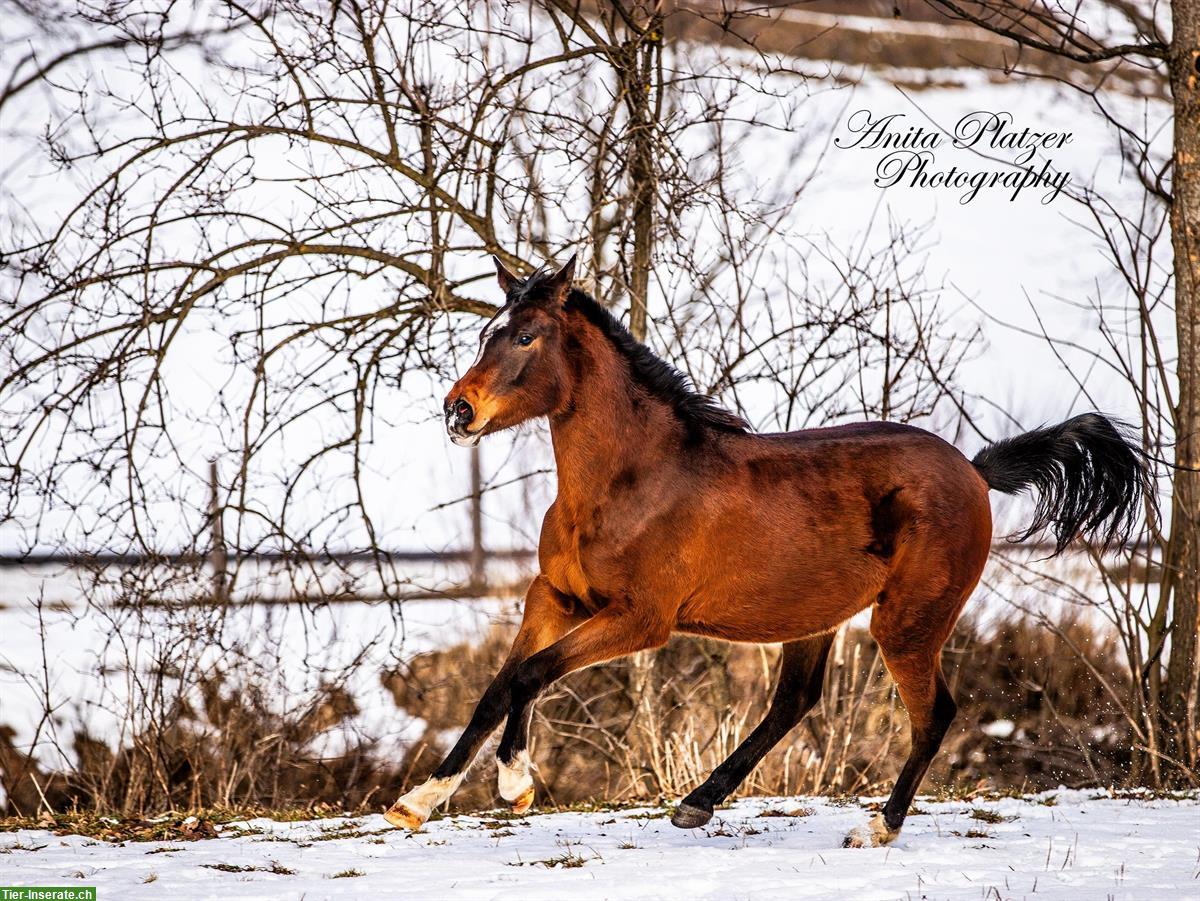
(613, 632)
(548, 616)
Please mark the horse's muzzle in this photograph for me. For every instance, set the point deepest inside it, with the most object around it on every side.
(459, 415)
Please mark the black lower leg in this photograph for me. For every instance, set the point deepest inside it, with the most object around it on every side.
(490, 710)
(925, 744)
(526, 685)
(801, 678)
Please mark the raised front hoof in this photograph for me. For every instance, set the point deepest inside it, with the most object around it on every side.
(403, 818)
(515, 783)
(688, 816)
(523, 802)
(875, 834)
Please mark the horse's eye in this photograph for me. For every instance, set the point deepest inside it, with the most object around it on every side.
(525, 340)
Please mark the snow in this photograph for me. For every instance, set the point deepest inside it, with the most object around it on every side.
(999, 728)
(1062, 845)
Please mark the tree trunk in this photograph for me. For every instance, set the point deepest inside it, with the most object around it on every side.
(640, 82)
(642, 179)
(1183, 549)
(217, 555)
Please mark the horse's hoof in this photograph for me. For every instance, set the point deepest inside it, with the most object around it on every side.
(876, 834)
(514, 781)
(688, 816)
(403, 818)
(524, 802)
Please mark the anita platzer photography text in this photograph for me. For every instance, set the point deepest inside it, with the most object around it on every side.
(911, 160)
(614, 449)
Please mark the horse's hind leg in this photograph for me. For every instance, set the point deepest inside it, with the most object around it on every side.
(931, 710)
(547, 618)
(801, 678)
(910, 641)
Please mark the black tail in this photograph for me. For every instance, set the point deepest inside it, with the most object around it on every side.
(1088, 478)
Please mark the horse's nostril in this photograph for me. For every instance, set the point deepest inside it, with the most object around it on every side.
(463, 412)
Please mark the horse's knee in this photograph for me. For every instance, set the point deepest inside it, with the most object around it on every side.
(494, 703)
(528, 681)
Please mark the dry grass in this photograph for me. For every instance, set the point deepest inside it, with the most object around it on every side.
(234, 754)
(654, 726)
(642, 729)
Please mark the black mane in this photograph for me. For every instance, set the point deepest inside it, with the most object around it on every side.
(656, 375)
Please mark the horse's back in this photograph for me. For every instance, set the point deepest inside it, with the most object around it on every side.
(872, 456)
(867, 432)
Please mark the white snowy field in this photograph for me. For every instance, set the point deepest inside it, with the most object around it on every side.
(1057, 845)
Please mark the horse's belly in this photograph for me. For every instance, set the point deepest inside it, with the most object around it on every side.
(782, 602)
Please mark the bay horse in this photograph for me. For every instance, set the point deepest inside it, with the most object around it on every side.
(672, 516)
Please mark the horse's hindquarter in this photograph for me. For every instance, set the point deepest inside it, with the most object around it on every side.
(807, 529)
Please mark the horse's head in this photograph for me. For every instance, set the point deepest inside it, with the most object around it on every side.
(522, 370)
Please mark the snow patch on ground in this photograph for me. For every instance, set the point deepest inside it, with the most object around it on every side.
(1061, 845)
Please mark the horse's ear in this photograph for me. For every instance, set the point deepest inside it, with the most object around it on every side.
(506, 278)
(560, 282)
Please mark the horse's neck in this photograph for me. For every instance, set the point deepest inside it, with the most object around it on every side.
(611, 428)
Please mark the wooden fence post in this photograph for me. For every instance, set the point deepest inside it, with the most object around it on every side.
(478, 581)
(217, 557)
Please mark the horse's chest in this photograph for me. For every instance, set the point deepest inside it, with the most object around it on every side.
(564, 569)
(581, 555)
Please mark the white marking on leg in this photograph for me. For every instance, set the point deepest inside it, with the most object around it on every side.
(875, 834)
(421, 801)
(514, 779)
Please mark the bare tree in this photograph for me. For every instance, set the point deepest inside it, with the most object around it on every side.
(259, 231)
(406, 144)
(1160, 366)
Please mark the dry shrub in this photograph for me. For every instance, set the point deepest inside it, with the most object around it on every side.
(236, 752)
(655, 725)
(1056, 688)
(647, 727)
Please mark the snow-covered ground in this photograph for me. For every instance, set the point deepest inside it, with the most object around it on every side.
(1058, 845)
